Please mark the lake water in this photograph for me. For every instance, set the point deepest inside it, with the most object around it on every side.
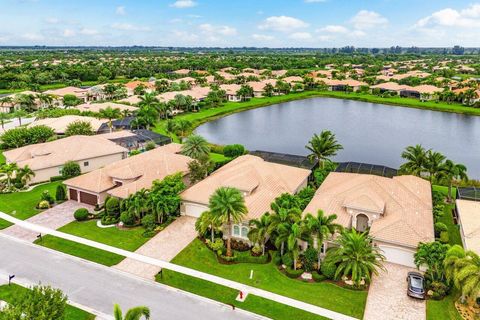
(369, 132)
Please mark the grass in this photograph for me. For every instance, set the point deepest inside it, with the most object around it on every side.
(447, 218)
(442, 309)
(2, 158)
(217, 157)
(21, 205)
(127, 239)
(268, 277)
(8, 293)
(80, 250)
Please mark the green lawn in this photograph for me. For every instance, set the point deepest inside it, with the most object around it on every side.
(217, 157)
(7, 293)
(23, 203)
(447, 218)
(2, 158)
(268, 277)
(443, 309)
(128, 239)
(80, 250)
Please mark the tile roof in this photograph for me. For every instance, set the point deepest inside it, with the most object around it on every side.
(60, 124)
(469, 214)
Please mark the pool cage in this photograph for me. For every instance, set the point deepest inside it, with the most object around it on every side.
(468, 193)
(366, 168)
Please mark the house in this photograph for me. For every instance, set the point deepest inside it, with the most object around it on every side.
(131, 100)
(136, 139)
(80, 93)
(130, 86)
(13, 105)
(47, 159)
(423, 92)
(259, 86)
(342, 85)
(293, 80)
(390, 87)
(259, 181)
(397, 212)
(60, 124)
(125, 177)
(231, 92)
(468, 212)
(96, 107)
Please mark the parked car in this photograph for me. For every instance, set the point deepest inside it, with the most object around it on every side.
(416, 285)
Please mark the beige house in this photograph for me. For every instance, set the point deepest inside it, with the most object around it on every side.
(82, 94)
(231, 91)
(396, 211)
(96, 107)
(47, 159)
(259, 181)
(468, 212)
(341, 85)
(60, 124)
(125, 177)
(13, 105)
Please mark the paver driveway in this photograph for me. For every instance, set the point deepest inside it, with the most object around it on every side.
(53, 218)
(387, 297)
(164, 246)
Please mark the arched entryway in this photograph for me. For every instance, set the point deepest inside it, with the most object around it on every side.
(362, 222)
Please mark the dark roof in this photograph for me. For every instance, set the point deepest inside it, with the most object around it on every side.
(468, 193)
(142, 136)
(286, 159)
(119, 123)
(366, 168)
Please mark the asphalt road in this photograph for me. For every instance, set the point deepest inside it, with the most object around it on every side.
(99, 287)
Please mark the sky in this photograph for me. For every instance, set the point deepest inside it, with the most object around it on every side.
(236, 23)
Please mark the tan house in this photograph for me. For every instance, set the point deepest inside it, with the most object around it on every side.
(341, 85)
(60, 124)
(47, 159)
(468, 212)
(130, 86)
(82, 94)
(259, 181)
(397, 211)
(125, 177)
(231, 91)
(96, 107)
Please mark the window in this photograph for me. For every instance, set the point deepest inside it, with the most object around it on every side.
(236, 230)
(85, 164)
(244, 232)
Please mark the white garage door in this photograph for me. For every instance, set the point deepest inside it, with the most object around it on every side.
(193, 210)
(398, 255)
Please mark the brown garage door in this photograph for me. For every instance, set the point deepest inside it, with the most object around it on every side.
(73, 194)
(88, 198)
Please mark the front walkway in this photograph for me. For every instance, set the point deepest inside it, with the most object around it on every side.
(387, 297)
(164, 246)
(53, 218)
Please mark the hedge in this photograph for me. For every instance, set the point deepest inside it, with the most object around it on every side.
(291, 273)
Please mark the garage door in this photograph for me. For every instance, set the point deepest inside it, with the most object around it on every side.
(398, 255)
(88, 198)
(73, 194)
(193, 210)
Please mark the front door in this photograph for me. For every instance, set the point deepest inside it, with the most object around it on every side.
(362, 223)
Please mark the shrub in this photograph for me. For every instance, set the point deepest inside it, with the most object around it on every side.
(112, 206)
(83, 128)
(46, 196)
(215, 148)
(216, 245)
(150, 145)
(43, 205)
(233, 150)
(18, 185)
(71, 169)
(287, 260)
(148, 222)
(240, 245)
(56, 178)
(291, 273)
(277, 259)
(247, 258)
(127, 218)
(81, 214)
(317, 277)
(439, 227)
(60, 194)
(439, 289)
(257, 250)
(328, 269)
(108, 220)
(438, 211)
(444, 237)
(309, 259)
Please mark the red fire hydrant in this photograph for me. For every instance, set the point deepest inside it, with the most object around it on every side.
(241, 295)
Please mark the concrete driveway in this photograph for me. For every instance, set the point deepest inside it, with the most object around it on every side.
(387, 296)
(164, 246)
(53, 218)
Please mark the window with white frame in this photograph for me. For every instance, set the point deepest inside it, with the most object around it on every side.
(236, 230)
(244, 232)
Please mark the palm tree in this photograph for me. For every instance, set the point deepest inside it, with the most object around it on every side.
(463, 269)
(322, 227)
(25, 101)
(195, 147)
(323, 146)
(259, 230)
(182, 127)
(294, 233)
(433, 164)
(451, 171)
(27, 174)
(46, 100)
(416, 158)
(355, 257)
(6, 100)
(9, 169)
(19, 114)
(132, 314)
(282, 215)
(148, 99)
(228, 206)
(207, 221)
(3, 117)
(110, 114)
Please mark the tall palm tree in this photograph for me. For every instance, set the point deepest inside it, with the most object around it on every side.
(110, 114)
(182, 127)
(228, 206)
(25, 101)
(3, 118)
(322, 227)
(355, 257)
(148, 99)
(323, 146)
(46, 100)
(259, 230)
(207, 221)
(9, 169)
(451, 171)
(19, 114)
(132, 314)
(433, 164)
(463, 269)
(416, 158)
(27, 174)
(195, 147)
(279, 220)
(294, 233)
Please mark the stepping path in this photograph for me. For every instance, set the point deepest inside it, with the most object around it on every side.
(387, 297)
(53, 218)
(164, 246)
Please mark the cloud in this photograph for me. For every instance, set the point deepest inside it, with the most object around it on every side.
(465, 18)
(365, 19)
(181, 4)
(262, 37)
(300, 36)
(129, 27)
(221, 30)
(32, 36)
(67, 33)
(88, 32)
(52, 20)
(121, 11)
(334, 29)
(282, 23)
(185, 36)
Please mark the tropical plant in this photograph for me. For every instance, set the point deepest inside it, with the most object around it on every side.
(110, 114)
(451, 171)
(26, 174)
(323, 146)
(258, 233)
(198, 169)
(71, 169)
(286, 212)
(133, 314)
(19, 114)
(415, 157)
(431, 255)
(228, 206)
(433, 164)
(294, 233)
(195, 147)
(79, 127)
(207, 221)
(3, 118)
(9, 169)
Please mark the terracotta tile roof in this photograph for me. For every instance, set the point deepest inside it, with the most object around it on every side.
(260, 181)
(60, 124)
(407, 217)
(391, 86)
(78, 92)
(469, 214)
(96, 107)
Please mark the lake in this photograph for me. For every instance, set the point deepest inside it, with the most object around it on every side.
(369, 132)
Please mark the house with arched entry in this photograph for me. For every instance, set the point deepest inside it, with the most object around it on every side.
(397, 212)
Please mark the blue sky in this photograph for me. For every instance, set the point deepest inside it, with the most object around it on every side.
(272, 23)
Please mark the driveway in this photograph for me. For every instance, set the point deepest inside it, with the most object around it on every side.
(52, 218)
(164, 246)
(387, 296)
